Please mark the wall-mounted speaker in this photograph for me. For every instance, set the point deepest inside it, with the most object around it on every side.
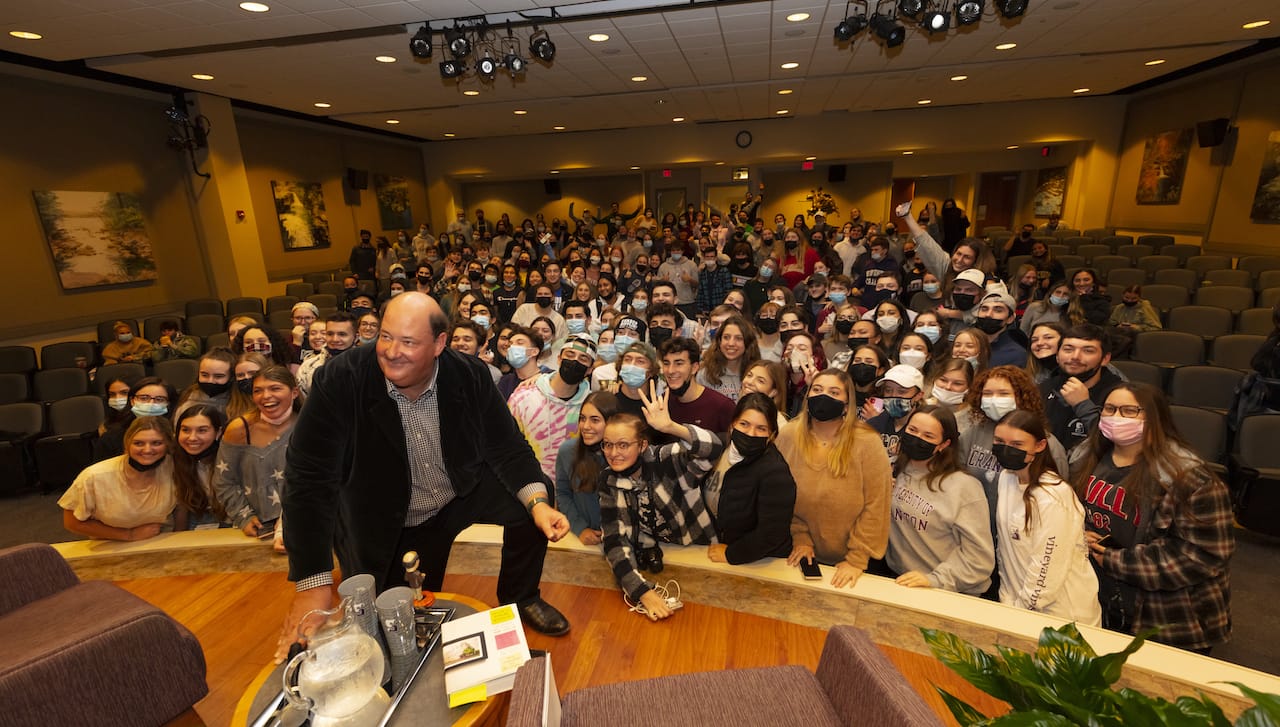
(357, 178)
(551, 187)
(836, 172)
(1212, 133)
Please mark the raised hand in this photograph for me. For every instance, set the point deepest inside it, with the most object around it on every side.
(656, 411)
(903, 209)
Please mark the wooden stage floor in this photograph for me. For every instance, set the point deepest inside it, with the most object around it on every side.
(237, 616)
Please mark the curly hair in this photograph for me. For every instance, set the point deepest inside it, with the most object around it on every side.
(1025, 391)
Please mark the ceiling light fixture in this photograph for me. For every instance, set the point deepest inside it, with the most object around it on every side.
(810, 159)
(470, 92)
(458, 43)
(907, 153)
(541, 47)
(888, 30)
(1154, 62)
(910, 8)
(790, 65)
(202, 76)
(1081, 90)
(780, 112)
(449, 134)
(514, 63)
(452, 68)
(598, 37)
(959, 78)
(850, 26)
(639, 79)
(385, 59)
(1012, 146)
(420, 43)
(558, 128)
(393, 122)
(925, 101)
(519, 112)
(797, 17)
(935, 21)
(1006, 46)
(255, 7)
(678, 119)
(1255, 24)
(785, 92)
(25, 35)
(487, 67)
(1011, 8)
(321, 105)
(968, 12)
(635, 169)
(555, 171)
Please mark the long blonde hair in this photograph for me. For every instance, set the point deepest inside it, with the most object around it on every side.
(840, 455)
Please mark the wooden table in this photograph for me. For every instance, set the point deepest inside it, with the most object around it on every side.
(428, 686)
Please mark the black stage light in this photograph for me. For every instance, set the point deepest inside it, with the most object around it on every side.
(420, 43)
(849, 27)
(968, 12)
(910, 8)
(175, 115)
(1011, 8)
(457, 41)
(514, 63)
(487, 67)
(935, 21)
(889, 30)
(452, 69)
(540, 45)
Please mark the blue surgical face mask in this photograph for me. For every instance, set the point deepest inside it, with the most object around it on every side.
(766, 272)
(576, 325)
(837, 297)
(897, 406)
(1058, 300)
(622, 343)
(517, 356)
(933, 333)
(607, 352)
(931, 288)
(632, 375)
(150, 409)
(639, 305)
(482, 321)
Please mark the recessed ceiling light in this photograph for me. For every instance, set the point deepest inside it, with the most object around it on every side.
(907, 153)
(449, 135)
(785, 92)
(1012, 146)
(202, 76)
(321, 105)
(925, 101)
(255, 7)
(780, 112)
(797, 17)
(635, 168)
(719, 164)
(639, 79)
(470, 92)
(1081, 90)
(790, 65)
(558, 128)
(25, 35)
(1006, 46)
(385, 59)
(1154, 62)
(598, 37)
(519, 112)
(1256, 24)
(393, 121)
(810, 159)
(959, 78)
(678, 119)
(555, 171)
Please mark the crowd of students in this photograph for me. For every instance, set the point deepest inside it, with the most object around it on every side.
(860, 397)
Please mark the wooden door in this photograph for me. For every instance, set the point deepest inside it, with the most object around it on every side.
(997, 201)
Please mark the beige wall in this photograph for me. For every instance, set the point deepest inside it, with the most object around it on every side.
(865, 186)
(1257, 117)
(525, 198)
(64, 138)
(280, 150)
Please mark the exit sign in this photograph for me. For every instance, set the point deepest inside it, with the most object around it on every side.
(666, 173)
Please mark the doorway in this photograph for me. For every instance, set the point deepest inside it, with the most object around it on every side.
(997, 200)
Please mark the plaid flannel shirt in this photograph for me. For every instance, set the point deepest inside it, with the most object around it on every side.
(713, 286)
(673, 476)
(1180, 566)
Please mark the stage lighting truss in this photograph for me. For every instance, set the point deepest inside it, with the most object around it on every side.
(420, 43)
(934, 17)
(472, 47)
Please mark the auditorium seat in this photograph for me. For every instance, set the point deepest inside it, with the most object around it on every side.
(1256, 264)
(1202, 264)
(1097, 233)
(1256, 321)
(316, 279)
(1121, 278)
(1236, 278)
(332, 287)
(1141, 371)
(1268, 298)
(324, 300)
(1208, 387)
(1090, 251)
(57, 384)
(282, 319)
(1233, 298)
(1104, 264)
(1205, 431)
(1115, 242)
(68, 355)
(1267, 279)
(1166, 297)
(299, 290)
(205, 325)
(1152, 263)
(280, 302)
(1180, 277)
(18, 360)
(20, 424)
(1255, 474)
(1012, 264)
(1156, 241)
(73, 426)
(1134, 252)
(14, 388)
(216, 340)
(179, 372)
(1235, 351)
(1076, 242)
(1205, 321)
(204, 307)
(245, 305)
(1182, 252)
(1168, 348)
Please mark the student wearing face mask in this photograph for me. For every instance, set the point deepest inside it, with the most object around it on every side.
(148, 397)
(843, 482)
(1158, 523)
(547, 411)
(867, 364)
(929, 297)
(266, 341)
(117, 404)
(129, 496)
(126, 347)
(900, 389)
(870, 268)
(938, 533)
(839, 327)
(917, 352)
(214, 381)
(1043, 564)
(751, 494)
(1053, 308)
(952, 379)
(522, 354)
(929, 325)
(893, 322)
(542, 305)
(247, 366)
(995, 318)
(340, 336)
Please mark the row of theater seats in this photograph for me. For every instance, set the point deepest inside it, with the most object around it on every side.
(47, 444)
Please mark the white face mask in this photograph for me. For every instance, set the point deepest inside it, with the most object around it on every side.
(950, 398)
(888, 324)
(914, 359)
(996, 407)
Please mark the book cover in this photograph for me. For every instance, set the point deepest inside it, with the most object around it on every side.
(481, 654)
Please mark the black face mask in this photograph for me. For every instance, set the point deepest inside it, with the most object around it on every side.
(139, 467)
(475, 276)
(245, 386)
(963, 301)
(424, 280)
(543, 301)
(350, 292)
(1129, 303)
(641, 268)
(1009, 457)
(792, 244)
(988, 325)
(916, 448)
(1084, 376)
(573, 372)
(862, 373)
(1026, 235)
(335, 352)
(854, 343)
(682, 390)
(208, 452)
(823, 408)
(659, 335)
(1048, 361)
(748, 446)
(360, 311)
(844, 327)
(211, 389)
(767, 326)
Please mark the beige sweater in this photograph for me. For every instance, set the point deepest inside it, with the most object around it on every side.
(845, 518)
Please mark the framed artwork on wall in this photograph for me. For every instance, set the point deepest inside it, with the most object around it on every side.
(300, 210)
(393, 202)
(1051, 191)
(96, 238)
(1266, 198)
(1164, 167)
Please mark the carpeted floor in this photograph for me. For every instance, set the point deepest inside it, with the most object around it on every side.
(1254, 579)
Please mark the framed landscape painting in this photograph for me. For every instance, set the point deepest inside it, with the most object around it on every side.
(393, 202)
(300, 210)
(1051, 191)
(1266, 198)
(96, 238)
(1164, 167)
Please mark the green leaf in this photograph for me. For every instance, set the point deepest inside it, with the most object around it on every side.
(972, 664)
(1255, 717)
(1107, 668)
(1032, 718)
(964, 713)
(1204, 709)
(1067, 658)
(1267, 703)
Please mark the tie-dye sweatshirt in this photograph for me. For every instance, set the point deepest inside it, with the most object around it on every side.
(545, 419)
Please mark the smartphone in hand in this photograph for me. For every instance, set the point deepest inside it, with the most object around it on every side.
(809, 569)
